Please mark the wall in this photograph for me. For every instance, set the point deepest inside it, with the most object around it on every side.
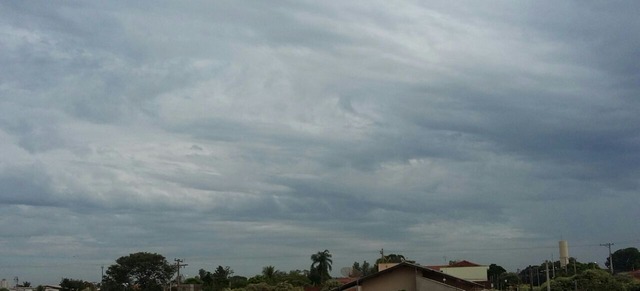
(400, 279)
(424, 284)
(478, 273)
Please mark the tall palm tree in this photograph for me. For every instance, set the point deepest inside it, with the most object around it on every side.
(322, 264)
(269, 273)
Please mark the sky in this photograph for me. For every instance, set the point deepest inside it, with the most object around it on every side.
(255, 133)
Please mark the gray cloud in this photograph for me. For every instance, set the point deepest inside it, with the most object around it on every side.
(219, 132)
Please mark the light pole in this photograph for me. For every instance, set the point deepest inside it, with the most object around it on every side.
(610, 257)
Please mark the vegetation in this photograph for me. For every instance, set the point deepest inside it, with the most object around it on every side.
(625, 260)
(576, 276)
(358, 270)
(140, 271)
(151, 272)
(320, 267)
(493, 274)
(68, 284)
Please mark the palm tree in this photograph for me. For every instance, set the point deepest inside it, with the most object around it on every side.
(322, 265)
(269, 273)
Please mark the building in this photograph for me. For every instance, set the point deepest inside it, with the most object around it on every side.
(465, 270)
(410, 277)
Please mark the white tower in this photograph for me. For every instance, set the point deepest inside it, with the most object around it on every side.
(564, 253)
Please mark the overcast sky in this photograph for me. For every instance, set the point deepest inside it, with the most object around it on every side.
(254, 133)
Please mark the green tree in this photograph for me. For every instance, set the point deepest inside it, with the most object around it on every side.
(297, 278)
(237, 282)
(193, 280)
(221, 277)
(141, 271)
(598, 280)
(630, 283)
(330, 285)
(508, 279)
(68, 284)
(206, 277)
(269, 274)
(494, 273)
(321, 266)
(391, 258)
(358, 270)
(625, 260)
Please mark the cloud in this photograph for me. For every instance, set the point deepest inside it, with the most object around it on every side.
(219, 132)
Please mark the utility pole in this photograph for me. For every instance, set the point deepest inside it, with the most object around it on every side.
(610, 257)
(102, 273)
(178, 266)
(546, 263)
(530, 278)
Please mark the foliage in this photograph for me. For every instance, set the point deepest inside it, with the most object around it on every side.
(221, 277)
(391, 258)
(140, 271)
(284, 286)
(26, 284)
(237, 282)
(593, 280)
(330, 285)
(625, 260)
(494, 273)
(68, 284)
(629, 283)
(320, 267)
(192, 280)
(206, 277)
(297, 278)
(4, 289)
(358, 270)
(511, 279)
(259, 287)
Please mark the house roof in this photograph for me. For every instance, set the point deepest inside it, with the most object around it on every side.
(460, 264)
(426, 272)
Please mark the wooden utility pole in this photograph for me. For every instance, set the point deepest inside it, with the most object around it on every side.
(178, 266)
(610, 257)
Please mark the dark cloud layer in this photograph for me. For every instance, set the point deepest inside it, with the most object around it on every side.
(251, 134)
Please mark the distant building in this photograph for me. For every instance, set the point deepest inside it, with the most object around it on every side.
(465, 270)
(4, 284)
(52, 288)
(410, 277)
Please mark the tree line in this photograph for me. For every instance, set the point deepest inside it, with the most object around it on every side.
(152, 272)
(145, 271)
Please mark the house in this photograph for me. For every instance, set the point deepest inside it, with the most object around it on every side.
(410, 277)
(465, 270)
